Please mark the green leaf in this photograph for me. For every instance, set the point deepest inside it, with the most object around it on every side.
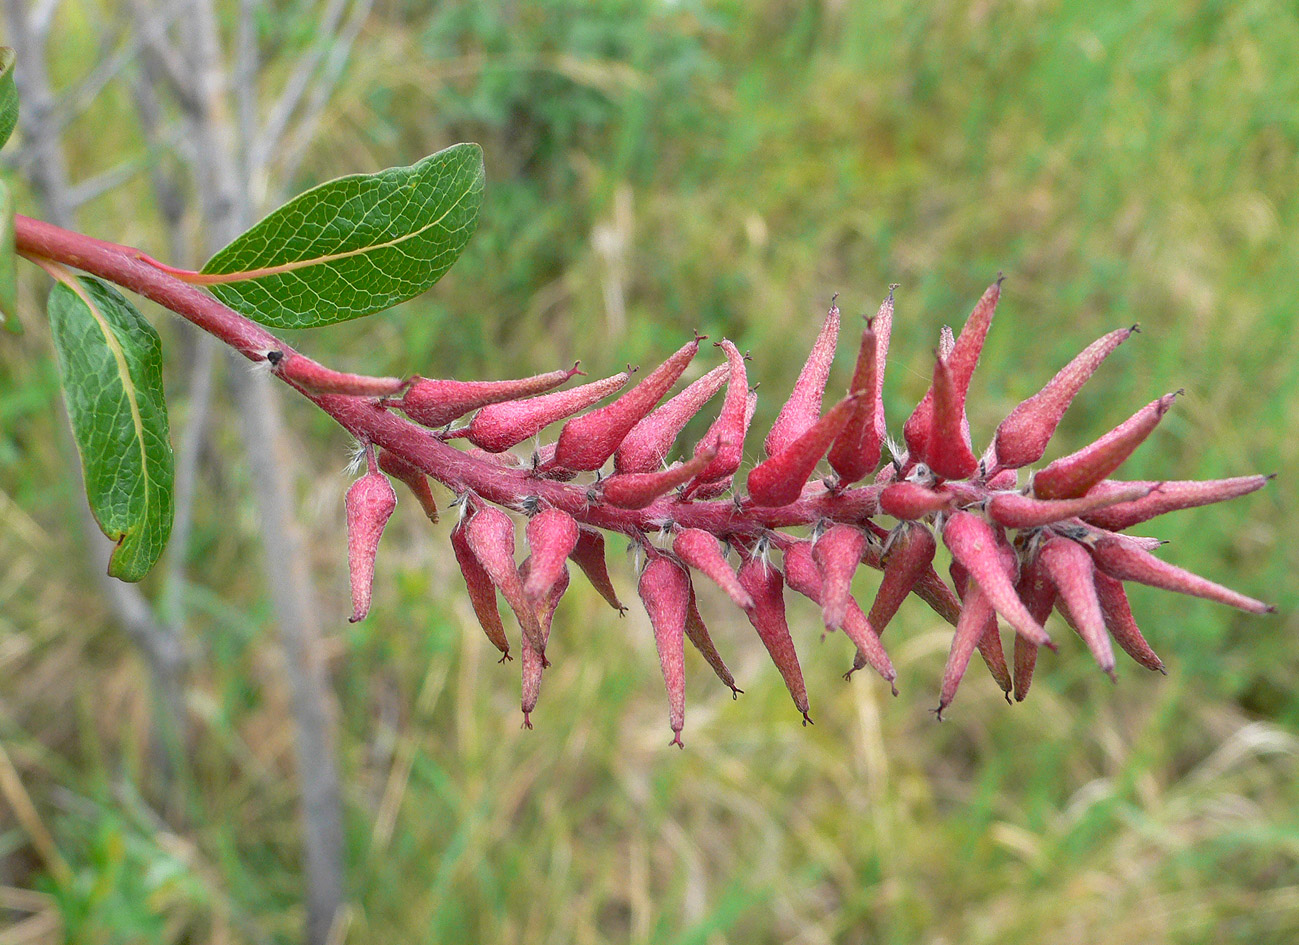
(8, 263)
(8, 95)
(353, 246)
(110, 363)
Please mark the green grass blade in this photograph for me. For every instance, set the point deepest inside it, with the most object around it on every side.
(8, 95)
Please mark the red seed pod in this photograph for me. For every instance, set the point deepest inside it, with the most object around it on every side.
(780, 479)
(435, 403)
(369, 504)
(1073, 574)
(910, 554)
(1015, 510)
(588, 555)
(697, 634)
(976, 614)
(805, 578)
(1006, 479)
(482, 592)
(803, 408)
(647, 446)
(837, 554)
(414, 479)
(497, 427)
(989, 644)
(732, 423)
(710, 490)
(1163, 497)
(533, 661)
(882, 325)
(1122, 561)
(552, 535)
(701, 551)
(948, 446)
(665, 591)
(639, 490)
(542, 457)
(1122, 625)
(315, 378)
(856, 451)
(765, 586)
(1072, 475)
(930, 588)
(490, 533)
(1022, 437)
(908, 501)
(1038, 594)
(585, 442)
(974, 545)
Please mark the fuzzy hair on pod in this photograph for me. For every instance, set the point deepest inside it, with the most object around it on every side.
(701, 551)
(803, 408)
(974, 545)
(369, 504)
(732, 423)
(1162, 497)
(766, 587)
(1122, 561)
(414, 479)
(588, 554)
(314, 378)
(697, 634)
(665, 592)
(497, 427)
(1071, 570)
(435, 403)
(837, 554)
(490, 534)
(780, 479)
(552, 534)
(647, 446)
(482, 592)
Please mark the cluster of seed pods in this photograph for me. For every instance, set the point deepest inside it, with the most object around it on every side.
(1021, 545)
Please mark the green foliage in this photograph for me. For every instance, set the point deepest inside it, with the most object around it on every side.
(356, 245)
(110, 362)
(8, 263)
(8, 95)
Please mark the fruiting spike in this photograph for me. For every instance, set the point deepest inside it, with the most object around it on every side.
(497, 427)
(948, 446)
(837, 553)
(585, 442)
(908, 501)
(490, 533)
(1121, 624)
(414, 479)
(1022, 437)
(369, 504)
(1072, 475)
(804, 405)
(482, 592)
(665, 591)
(638, 490)
(701, 551)
(732, 423)
(588, 555)
(856, 451)
(697, 634)
(1168, 497)
(647, 446)
(1073, 574)
(780, 479)
(1015, 510)
(552, 535)
(765, 586)
(435, 403)
(315, 378)
(1122, 561)
(974, 545)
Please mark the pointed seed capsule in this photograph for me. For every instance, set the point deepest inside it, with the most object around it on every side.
(837, 553)
(910, 554)
(1072, 475)
(1022, 437)
(976, 612)
(497, 427)
(414, 479)
(908, 501)
(534, 662)
(780, 479)
(1122, 561)
(435, 403)
(989, 643)
(647, 446)
(732, 423)
(765, 586)
(369, 504)
(490, 533)
(948, 446)
(315, 378)
(1015, 510)
(974, 546)
(1038, 594)
(585, 442)
(703, 552)
(1122, 625)
(552, 535)
(665, 592)
(697, 634)
(856, 451)
(1071, 570)
(639, 490)
(804, 405)
(482, 592)
(1163, 497)
(588, 555)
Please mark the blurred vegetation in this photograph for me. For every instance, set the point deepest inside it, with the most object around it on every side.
(726, 166)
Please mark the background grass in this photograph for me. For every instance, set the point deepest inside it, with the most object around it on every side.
(744, 161)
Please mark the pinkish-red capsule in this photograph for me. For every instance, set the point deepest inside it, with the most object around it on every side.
(490, 533)
(585, 442)
(414, 479)
(1072, 475)
(765, 586)
(647, 446)
(1122, 625)
(1038, 594)
(533, 661)
(665, 591)
(1073, 574)
(588, 555)
(974, 545)
(1126, 563)
(837, 554)
(482, 592)
(1015, 510)
(369, 503)
(639, 490)
(1163, 497)
(989, 644)
(315, 378)
(948, 447)
(703, 552)
(856, 451)
(803, 408)
(976, 613)
(910, 554)
(780, 479)
(908, 501)
(552, 535)
(697, 634)
(497, 427)
(435, 403)
(1023, 436)
(732, 423)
